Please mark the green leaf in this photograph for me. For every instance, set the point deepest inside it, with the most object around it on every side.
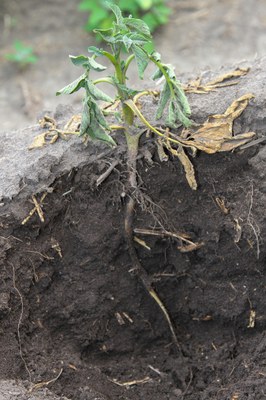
(87, 62)
(85, 118)
(127, 42)
(157, 75)
(96, 93)
(181, 96)
(95, 50)
(128, 39)
(164, 98)
(73, 86)
(142, 59)
(96, 132)
(176, 114)
(171, 118)
(138, 26)
(98, 115)
(106, 34)
(94, 124)
(139, 38)
(180, 116)
(96, 66)
(156, 56)
(170, 70)
(128, 92)
(79, 60)
(117, 12)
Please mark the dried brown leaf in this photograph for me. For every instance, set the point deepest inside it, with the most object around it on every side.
(216, 134)
(252, 319)
(190, 247)
(238, 72)
(38, 142)
(221, 81)
(187, 164)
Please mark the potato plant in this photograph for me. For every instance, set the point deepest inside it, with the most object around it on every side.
(132, 35)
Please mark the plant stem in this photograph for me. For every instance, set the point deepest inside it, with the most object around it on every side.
(132, 146)
(132, 153)
(161, 68)
(128, 62)
(103, 80)
(128, 115)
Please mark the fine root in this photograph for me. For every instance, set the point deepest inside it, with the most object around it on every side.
(20, 321)
(252, 223)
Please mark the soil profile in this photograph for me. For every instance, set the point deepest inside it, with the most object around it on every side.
(76, 322)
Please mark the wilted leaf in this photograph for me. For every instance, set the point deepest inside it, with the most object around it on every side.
(160, 149)
(187, 164)
(216, 134)
(238, 72)
(73, 86)
(96, 132)
(95, 50)
(176, 114)
(178, 108)
(79, 60)
(164, 98)
(106, 34)
(85, 119)
(96, 66)
(181, 97)
(142, 59)
(157, 75)
(221, 81)
(87, 62)
(94, 124)
(171, 117)
(98, 115)
(38, 142)
(128, 92)
(96, 93)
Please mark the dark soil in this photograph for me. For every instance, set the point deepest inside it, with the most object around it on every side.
(84, 312)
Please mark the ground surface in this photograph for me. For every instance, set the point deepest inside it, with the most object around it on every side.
(76, 319)
(201, 33)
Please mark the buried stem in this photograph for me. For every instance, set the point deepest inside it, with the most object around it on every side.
(133, 144)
